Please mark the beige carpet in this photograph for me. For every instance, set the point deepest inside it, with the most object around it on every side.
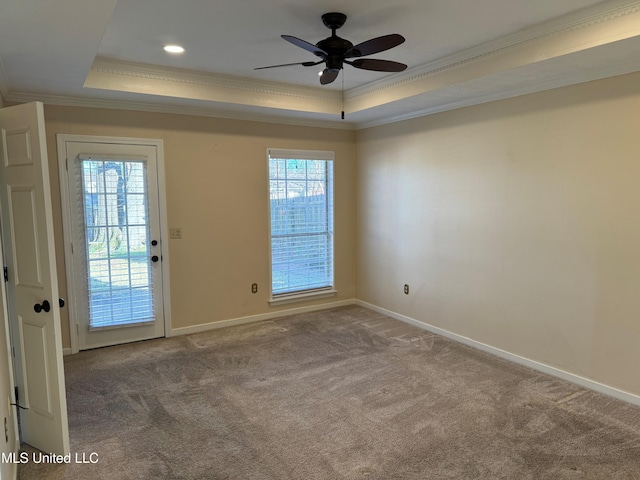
(339, 394)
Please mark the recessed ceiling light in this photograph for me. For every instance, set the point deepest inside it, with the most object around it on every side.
(173, 49)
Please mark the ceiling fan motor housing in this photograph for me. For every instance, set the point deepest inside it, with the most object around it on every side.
(336, 49)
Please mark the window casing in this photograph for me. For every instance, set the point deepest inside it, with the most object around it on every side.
(301, 223)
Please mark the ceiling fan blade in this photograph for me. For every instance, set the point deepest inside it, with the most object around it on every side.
(377, 65)
(328, 76)
(375, 45)
(304, 64)
(310, 47)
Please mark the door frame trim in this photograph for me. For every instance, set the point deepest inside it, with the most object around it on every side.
(62, 140)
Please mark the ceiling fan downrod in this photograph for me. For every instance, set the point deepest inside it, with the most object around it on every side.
(335, 46)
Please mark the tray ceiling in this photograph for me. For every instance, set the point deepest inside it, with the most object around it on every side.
(108, 53)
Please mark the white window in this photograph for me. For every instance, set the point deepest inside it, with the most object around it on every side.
(301, 213)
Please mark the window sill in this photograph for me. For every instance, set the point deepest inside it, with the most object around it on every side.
(301, 297)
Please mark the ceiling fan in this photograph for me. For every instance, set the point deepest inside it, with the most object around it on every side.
(335, 51)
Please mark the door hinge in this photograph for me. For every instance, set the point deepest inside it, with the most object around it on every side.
(66, 164)
(6, 274)
(17, 404)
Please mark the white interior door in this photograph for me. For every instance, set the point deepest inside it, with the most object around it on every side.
(27, 225)
(11, 442)
(114, 222)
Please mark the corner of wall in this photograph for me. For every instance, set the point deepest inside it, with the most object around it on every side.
(581, 381)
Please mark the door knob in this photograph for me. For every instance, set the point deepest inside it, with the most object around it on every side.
(155, 258)
(46, 306)
(61, 302)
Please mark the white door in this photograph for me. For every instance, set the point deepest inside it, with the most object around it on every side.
(114, 229)
(11, 443)
(27, 228)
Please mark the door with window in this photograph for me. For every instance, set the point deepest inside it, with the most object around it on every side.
(113, 231)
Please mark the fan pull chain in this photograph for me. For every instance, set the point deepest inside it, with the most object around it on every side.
(342, 115)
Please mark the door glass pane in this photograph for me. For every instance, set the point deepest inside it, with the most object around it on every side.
(117, 243)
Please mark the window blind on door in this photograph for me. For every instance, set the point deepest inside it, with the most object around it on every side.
(115, 230)
(301, 221)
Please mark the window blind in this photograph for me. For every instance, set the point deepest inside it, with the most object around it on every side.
(112, 202)
(301, 215)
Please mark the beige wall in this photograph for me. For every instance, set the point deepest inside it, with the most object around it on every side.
(216, 184)
(515, 223)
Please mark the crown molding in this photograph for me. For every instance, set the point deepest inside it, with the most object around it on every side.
(503, 94)
(212, 80)
(88, 102)
(216, 89)
(571, 22)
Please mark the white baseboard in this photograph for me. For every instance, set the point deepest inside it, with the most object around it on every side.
(255, 318)
(535, 365)
(541, 367)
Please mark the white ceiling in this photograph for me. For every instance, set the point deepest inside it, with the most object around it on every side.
(460, 52)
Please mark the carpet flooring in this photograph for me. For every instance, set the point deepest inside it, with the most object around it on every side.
(337, 394)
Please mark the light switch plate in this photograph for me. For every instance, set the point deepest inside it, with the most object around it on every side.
(175, 232)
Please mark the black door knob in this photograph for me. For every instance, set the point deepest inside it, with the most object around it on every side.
(155, 258)
(154, 242)
(61, 302)
(44, 306)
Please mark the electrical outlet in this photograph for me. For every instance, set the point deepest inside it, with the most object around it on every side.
(175, 233)
(406, 289)
(254, 288)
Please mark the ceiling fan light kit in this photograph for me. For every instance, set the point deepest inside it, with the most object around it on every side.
(334, 51)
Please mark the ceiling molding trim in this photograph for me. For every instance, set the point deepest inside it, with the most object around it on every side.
(190, 77)
(479, 98)
(571, 22)
(71, 101)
